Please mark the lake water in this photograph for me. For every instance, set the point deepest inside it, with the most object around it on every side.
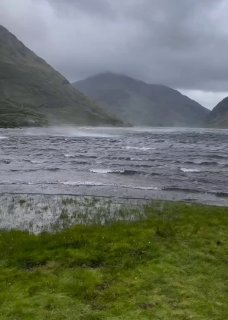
(132, 163)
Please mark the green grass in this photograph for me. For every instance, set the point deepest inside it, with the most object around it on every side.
(173, 265)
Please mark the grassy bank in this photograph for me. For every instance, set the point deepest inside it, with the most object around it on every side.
(171, 266)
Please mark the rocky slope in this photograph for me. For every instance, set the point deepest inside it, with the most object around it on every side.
(33, 93)
(142, 104)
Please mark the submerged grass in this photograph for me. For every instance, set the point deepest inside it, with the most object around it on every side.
(173, 265)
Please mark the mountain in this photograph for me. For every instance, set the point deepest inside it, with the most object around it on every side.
(142, 104)
(33, 93)
(218, 117)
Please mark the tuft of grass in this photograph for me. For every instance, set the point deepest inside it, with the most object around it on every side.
(172, 265)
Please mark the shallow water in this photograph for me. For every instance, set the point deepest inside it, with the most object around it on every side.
(173, 164)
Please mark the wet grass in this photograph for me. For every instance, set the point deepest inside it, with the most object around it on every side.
(173, 265)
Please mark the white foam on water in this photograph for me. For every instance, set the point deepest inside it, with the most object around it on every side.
(189, 170)
(104, 171)
(101, 184)
(84, 183)
(67, 155)
(137, 159)
(139, 148)
(140, 187)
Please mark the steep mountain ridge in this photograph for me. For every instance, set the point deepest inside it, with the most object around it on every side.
(218, 117)
(143, 104)
(33, 93)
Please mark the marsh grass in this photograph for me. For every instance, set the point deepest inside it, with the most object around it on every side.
(172, 265)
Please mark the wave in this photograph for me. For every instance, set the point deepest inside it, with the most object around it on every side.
(138, 159)
(139, 148)
(74, 162)
(127, 172)
(6, 161)
(142, 188)
(104, 171)
(202, 163)
(187, 190)
(189, 170)
(100, 184)
(67, 155)
(84, 183)
(131, 172)
(119, 158)
(218, 194)
(118, 171)
(35, 170)
(208, 163)
(222, 194)
(36, 161)
(218, 156)
(80, 156)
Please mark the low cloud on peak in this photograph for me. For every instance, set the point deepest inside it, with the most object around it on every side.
(182, 44)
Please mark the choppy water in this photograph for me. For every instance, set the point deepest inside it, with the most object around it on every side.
(174, 164)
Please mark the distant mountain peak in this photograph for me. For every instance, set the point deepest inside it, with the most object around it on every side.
(140, 103)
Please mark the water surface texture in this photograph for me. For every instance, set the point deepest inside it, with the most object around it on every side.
(173, 164)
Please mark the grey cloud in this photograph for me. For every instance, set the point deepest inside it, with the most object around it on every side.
(181, 43)
(71, 7)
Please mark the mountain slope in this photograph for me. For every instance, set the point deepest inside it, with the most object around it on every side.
(143, 104)
(218, 117)
(33, 93)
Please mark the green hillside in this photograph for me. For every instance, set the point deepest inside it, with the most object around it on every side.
(33, 93)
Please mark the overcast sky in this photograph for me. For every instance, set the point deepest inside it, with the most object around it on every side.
(179, 43)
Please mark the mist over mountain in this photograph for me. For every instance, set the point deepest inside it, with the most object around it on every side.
(142, 104)
(218, 117)
(32, 93)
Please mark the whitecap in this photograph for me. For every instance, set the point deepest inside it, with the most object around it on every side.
(140, 187)
(137, 159)
(67, 155)
(104, 171)
(139, 148)
(189, 170)
(101, 184)
(84, 183)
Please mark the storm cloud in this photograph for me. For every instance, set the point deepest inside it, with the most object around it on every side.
(179, 43)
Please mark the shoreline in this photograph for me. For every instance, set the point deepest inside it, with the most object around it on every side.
(38, 213)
